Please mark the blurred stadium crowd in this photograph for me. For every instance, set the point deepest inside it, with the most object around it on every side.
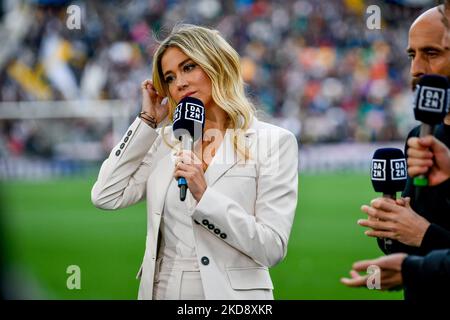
(312, 66)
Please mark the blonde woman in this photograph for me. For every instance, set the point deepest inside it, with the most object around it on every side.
(242, 178)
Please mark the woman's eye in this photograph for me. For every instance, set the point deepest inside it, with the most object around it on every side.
(169, 79)
(189, 66)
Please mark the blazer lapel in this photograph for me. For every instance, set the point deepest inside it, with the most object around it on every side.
(226, 157)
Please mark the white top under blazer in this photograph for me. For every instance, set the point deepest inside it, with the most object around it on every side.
(177, 274)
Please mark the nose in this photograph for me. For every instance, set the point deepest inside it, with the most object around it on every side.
(419, 67)
(181, 83)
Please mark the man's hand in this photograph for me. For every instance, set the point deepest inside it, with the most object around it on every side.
(428, 155)
(394, 220)
(390, 272)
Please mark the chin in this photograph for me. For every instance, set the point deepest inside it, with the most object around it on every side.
(205, 102)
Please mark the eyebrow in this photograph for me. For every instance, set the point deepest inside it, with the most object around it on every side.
(427, 48)
(179, 65)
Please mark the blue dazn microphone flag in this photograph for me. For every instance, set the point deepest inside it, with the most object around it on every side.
(188, 124)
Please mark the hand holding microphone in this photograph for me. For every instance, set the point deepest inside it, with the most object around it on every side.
(429, 155)
(430, 107)
(391, 218)
(388, 176)
(188, 124)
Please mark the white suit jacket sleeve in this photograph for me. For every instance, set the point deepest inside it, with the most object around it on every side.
(262, 235)
(123, 175)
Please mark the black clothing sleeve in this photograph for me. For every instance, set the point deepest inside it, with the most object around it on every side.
(427, 277)
(435, 237)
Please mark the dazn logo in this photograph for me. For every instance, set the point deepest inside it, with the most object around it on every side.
(431, 99)
(379, 170)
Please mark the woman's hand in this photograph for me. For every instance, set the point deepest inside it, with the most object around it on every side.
(189, 166)
(152, 101)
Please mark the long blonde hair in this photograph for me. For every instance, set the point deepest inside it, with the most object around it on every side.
(221, 63)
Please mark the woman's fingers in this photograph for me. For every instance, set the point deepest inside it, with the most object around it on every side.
(179, 172)
(188, 157)
(148, 88)
(153, 102)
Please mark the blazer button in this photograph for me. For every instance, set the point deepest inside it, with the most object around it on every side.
(210, 226)
(129, 133)
(122, 146)
(126, 139)
(205, 222)
(205, 261)
(117, 152)
(216, 231)
(223, 235)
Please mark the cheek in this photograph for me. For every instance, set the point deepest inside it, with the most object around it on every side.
(441, 66)
(173, 92)
(203, 79)
(207, 94)
(447, 67)
(207, 85)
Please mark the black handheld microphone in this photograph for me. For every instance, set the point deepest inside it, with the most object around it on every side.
(430, 107)
(389, 171)
(188, 124)
(388, 175)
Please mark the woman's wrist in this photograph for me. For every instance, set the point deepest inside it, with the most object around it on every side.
(148, 119)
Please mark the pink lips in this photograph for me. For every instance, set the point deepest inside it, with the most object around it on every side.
(188, 94)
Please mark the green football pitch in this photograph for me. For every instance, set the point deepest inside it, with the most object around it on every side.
(52, 225)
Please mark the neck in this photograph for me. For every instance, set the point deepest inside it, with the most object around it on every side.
(216, 117)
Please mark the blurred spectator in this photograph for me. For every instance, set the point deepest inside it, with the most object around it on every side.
(312, 66)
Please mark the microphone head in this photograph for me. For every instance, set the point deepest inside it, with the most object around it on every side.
(388, 172)
(189, 117)
(431, 99)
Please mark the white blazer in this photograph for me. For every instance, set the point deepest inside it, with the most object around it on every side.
(243, 220)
